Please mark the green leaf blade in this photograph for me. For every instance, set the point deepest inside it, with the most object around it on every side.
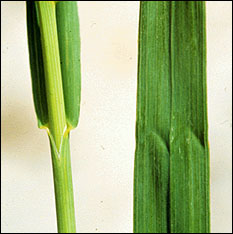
(171, 183)
(36, 65)
(189, 163)
(152, 130)
(69, 48)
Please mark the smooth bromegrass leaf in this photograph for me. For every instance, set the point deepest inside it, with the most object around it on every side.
(153, 119)
(69, 47)
(189, 159)
(171, 183)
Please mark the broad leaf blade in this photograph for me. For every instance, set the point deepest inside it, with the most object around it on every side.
(171, 185)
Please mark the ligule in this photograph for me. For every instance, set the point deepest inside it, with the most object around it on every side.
(171, 183)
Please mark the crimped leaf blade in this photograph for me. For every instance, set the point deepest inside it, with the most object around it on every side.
(69, 47)
(171, 184)
(153, 119)
(189, 159)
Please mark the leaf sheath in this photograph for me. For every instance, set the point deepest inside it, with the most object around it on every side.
(54, 50)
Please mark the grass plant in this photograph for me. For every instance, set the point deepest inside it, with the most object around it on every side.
(54, 50)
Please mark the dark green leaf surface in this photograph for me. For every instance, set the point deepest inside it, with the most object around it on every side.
(171, 186)
(36, 64)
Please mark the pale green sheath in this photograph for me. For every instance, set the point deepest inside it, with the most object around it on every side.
(54, 50)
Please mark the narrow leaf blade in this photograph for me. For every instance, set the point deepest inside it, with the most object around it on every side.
(69, 47)
(36, 65)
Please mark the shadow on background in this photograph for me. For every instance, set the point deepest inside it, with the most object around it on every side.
(19, 131)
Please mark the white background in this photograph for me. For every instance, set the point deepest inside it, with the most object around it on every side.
(102, 147)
